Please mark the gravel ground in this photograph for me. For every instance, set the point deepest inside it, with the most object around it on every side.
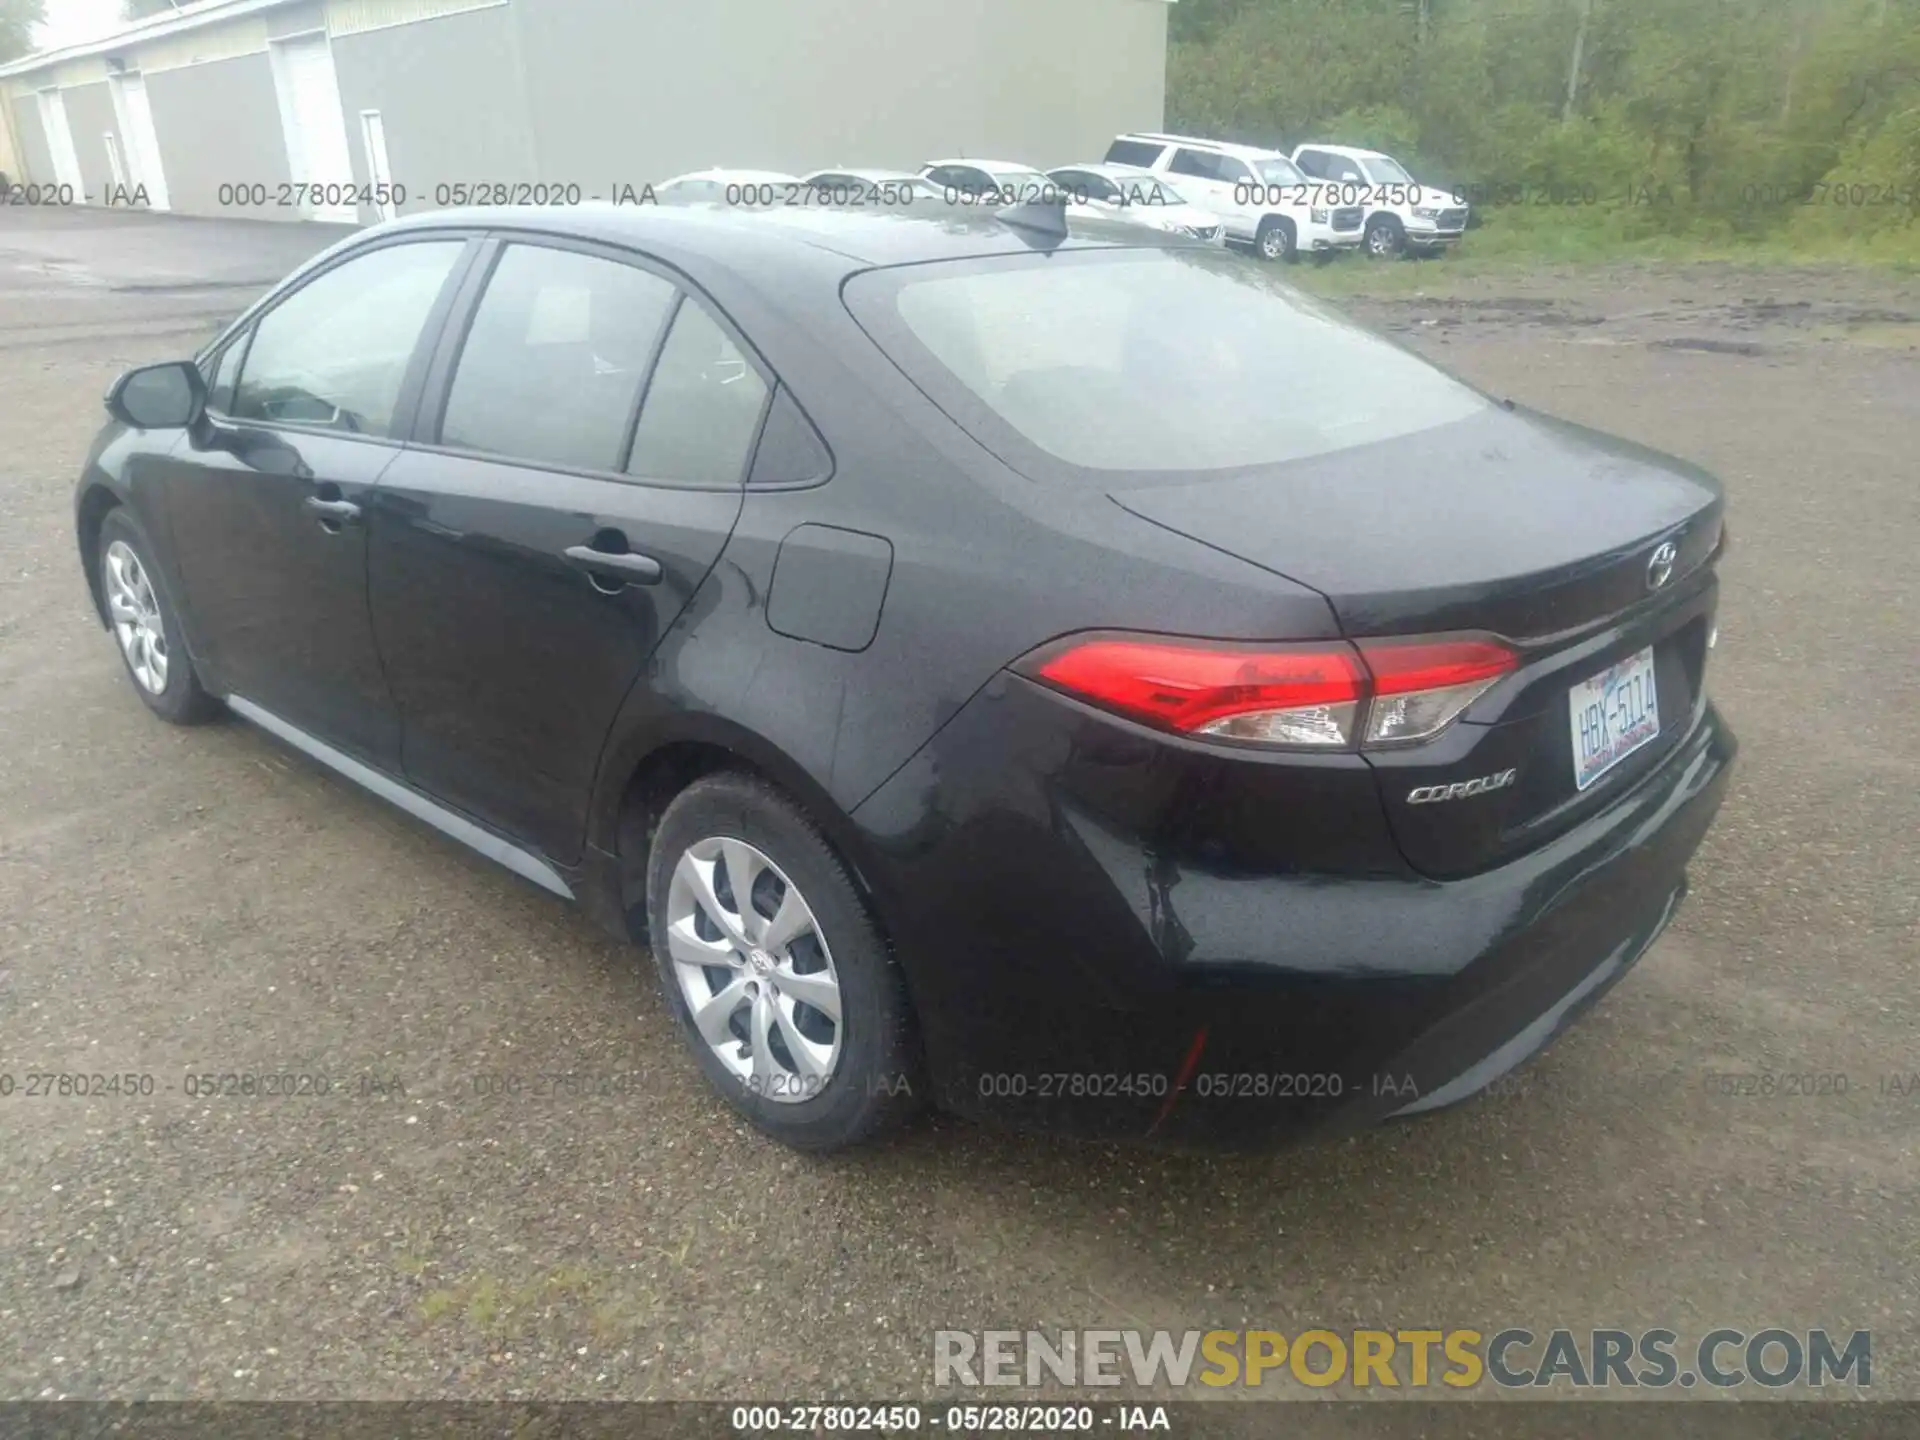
(174, 902)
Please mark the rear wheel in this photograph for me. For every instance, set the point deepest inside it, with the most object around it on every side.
(1386, 240)
(1274, 240)
(146, 627)
(775, 969)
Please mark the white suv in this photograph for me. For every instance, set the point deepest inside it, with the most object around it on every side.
(1260, 196)
(1402, 214)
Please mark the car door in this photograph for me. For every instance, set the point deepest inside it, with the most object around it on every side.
(579, 464)
(265, 497)
(1212, 179)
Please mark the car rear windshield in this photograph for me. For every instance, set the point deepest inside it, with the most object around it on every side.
(1146, 361)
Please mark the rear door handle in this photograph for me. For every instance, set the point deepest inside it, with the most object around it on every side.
(334, 512)
(625, 566)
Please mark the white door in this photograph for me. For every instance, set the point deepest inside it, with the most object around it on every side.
(66, 160)
(373, 135)
(114, 167)
(139, 141)
(316, 128)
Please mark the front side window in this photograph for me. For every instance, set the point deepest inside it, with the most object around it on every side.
(702, 409)
(1387, 171)
(1148, 361)
(552, 367)
(335, 352)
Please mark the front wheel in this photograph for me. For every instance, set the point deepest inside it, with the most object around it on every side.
(1274, 240)
(1386, 240)
(775, 969)
(146, 626)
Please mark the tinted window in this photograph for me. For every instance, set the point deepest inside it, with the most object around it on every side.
(1133, 152)
(1235, 172)
(552, 367)
(335, 352)
(1150, 360)
(790, 451)
(702, 409)
(1197, 163)
(1309, 162)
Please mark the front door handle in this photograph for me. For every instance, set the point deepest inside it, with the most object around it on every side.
(623, 566)
(331, 513)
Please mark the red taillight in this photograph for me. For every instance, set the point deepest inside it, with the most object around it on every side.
(1297, 695)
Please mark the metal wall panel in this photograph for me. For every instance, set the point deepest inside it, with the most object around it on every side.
(246, 36)
(449, 97)
(641, 91)
(36, 160)
(220, 123)
(90, 116)
(356, 17)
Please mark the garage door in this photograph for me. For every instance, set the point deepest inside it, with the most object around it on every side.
(66, 161)
(139, 142)
(316, 128)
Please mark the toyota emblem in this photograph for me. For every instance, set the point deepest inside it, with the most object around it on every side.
(1660, 565)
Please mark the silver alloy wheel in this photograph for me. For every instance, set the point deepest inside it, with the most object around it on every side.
(136, 617)
(1383, 241)
(1275, 242)
(754, 968)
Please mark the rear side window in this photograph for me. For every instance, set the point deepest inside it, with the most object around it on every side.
(335, 353)
(1133, 152)
(552, 367)
(702, 409)
(1147, 361)
(1197, 163)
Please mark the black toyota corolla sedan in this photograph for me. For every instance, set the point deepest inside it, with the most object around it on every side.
(1068, 677)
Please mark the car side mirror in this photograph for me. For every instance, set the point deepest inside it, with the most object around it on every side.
(159, 397)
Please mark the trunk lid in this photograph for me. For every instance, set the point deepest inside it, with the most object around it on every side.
(1536, 530)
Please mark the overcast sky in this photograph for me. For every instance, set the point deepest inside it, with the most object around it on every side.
(69, 22)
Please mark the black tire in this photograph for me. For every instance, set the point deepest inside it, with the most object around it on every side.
(1385, 239)
(1275, 240)
(876, 1083)
(182, 700)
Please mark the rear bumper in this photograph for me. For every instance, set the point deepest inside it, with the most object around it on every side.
(1071, 977)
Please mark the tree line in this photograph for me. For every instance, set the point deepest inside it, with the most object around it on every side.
(1722, 120)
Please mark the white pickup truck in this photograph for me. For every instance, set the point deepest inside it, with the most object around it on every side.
(1402, 214)
(1260, 197)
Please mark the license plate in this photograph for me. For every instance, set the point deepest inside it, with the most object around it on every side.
(1613, 714)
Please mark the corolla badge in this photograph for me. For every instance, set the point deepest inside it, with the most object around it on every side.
(1660, 565)
(1461, 789)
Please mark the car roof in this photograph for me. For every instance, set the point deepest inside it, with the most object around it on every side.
(1352, 152)
(987, 165)
(760, 242)
(1113, 171)
(744, 177)
(1195, 142)
(863, 172)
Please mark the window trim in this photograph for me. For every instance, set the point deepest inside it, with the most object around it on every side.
(437, 386)
(407, 402)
